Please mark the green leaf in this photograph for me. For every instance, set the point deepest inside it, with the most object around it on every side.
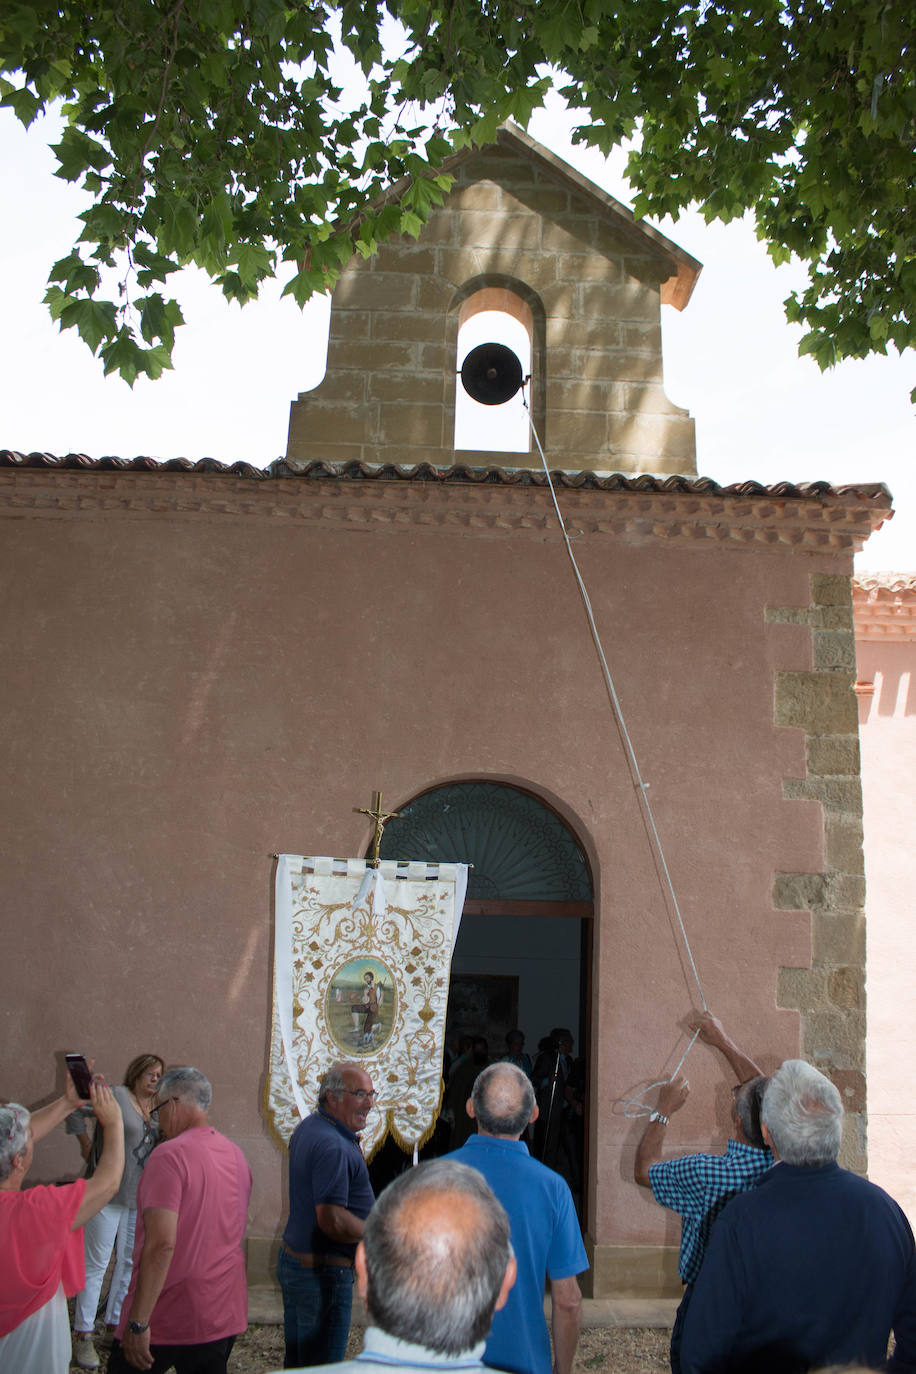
(215, 134)
(25, 105)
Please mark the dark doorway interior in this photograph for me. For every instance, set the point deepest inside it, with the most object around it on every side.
(523, 955)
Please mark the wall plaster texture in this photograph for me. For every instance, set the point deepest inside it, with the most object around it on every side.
(205, 670)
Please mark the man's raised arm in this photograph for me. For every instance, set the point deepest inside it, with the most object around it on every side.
(671, 1098)
(713, 1033)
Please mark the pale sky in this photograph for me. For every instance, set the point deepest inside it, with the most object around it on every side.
(761, 412)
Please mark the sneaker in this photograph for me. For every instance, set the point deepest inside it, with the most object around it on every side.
(84, 1352)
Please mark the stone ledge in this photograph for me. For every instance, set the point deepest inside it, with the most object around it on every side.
(631, 1271)
(699, 521)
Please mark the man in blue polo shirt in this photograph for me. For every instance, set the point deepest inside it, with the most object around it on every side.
(542, 1218)
(330, 1197)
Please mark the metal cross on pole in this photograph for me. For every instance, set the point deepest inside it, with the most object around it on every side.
(381, 818)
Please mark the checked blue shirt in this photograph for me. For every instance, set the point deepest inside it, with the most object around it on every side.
(698, 1187)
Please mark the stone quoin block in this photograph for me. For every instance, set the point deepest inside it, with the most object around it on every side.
(833, 756)
(820, 703)
(846, 988)
(798, 891)
(839, 939)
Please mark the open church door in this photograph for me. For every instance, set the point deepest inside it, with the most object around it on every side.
(523, 957)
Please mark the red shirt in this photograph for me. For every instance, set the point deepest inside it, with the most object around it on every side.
(39, 1250)
(205, 1178)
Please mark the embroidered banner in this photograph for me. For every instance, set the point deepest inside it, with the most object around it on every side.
(361, 972)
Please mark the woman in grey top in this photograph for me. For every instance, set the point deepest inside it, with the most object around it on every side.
(113, 1227)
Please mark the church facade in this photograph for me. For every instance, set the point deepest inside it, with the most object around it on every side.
(212, 664)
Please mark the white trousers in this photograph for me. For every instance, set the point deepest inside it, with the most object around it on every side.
(40, 1344)
(110, 1229)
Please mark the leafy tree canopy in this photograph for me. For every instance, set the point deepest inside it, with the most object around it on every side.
(218, 133)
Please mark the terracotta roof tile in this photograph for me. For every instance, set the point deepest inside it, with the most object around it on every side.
(885, 582)
(884, 606)
(875, 493)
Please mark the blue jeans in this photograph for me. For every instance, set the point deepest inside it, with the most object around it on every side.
(316, 1311)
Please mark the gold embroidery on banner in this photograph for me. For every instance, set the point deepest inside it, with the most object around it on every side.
(371, 987)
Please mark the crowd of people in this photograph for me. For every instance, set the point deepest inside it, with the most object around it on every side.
(178, 1296)
(789, 1262)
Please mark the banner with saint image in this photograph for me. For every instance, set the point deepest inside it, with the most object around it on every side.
(361, 972)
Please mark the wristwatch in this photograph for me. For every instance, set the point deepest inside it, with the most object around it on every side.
(657, 1116)
(138, 1328)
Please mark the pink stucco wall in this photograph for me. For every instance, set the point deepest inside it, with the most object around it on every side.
(196, 686)
(888, 736)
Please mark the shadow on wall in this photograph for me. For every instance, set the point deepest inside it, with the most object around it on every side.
(894, 695)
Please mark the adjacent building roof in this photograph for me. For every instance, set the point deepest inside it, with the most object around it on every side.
(884, 605)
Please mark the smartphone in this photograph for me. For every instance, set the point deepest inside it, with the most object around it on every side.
(80, 1073)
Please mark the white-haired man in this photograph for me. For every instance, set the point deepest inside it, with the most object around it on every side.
(545, 1231)
(697, 1186)
(434, 1263)
(188, 1298)
(814, 1265)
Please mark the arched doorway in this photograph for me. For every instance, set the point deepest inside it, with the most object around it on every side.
(523, 956)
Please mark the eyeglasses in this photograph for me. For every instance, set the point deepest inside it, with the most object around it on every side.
(360, 1094)
(154, 1111)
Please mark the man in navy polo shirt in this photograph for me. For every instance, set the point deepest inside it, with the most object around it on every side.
(542, 1218)
(813, 1266)
(330, 1197)
(698, 1186)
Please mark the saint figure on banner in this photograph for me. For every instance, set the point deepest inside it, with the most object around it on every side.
(360, 1005)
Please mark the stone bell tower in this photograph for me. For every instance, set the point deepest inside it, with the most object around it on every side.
(524, 233)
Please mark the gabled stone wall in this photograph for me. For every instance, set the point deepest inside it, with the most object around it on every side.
(593, 282)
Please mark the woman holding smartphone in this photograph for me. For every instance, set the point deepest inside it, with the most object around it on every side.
(41, 1242)
(113, 1227)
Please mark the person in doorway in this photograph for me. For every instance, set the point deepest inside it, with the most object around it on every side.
(515, 1052)
(698, 1186)
(545, 1231)
(559, 1083)
(459, 1089)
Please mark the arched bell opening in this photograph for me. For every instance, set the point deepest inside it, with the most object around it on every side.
(523, 958)
(506, 315)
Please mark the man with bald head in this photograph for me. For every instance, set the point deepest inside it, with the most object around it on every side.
(434, 1262)
(330, 1197)
(542, 1218)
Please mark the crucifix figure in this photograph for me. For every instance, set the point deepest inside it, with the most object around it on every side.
(380, 817)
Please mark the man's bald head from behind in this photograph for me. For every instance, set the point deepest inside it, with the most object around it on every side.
(435, 1260)
(502, 1101)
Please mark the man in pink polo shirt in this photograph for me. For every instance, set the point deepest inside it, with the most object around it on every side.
(188, 1299)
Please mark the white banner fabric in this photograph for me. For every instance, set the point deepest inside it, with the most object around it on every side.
(361, 972)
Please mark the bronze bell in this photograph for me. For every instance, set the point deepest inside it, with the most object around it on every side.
(491, 374)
